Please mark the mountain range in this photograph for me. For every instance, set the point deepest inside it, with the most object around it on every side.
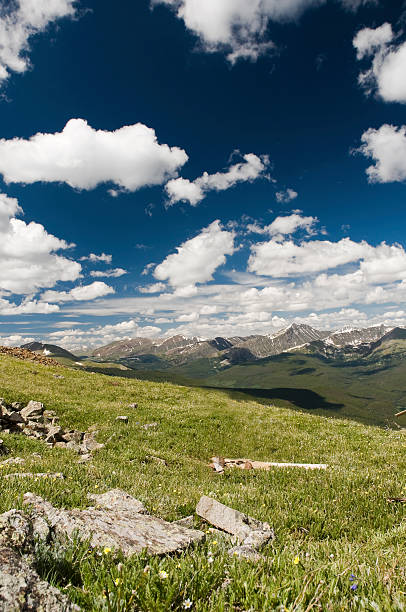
(180, 350)
(355, 373)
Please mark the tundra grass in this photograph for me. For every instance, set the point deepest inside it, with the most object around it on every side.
(340, 545)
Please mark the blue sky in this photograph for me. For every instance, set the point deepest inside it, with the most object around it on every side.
(200, 168)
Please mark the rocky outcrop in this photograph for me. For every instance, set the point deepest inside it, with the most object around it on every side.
(21, 588)
(26, 355)
(34, 421)
(118, 523)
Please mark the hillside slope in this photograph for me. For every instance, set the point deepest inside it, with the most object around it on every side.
(330, 524)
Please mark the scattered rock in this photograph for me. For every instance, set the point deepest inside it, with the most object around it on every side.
(58, 376)
(15, 531)
(117, 528)
(123, 419)
(56, 475)
(133, 406)
(36, 422)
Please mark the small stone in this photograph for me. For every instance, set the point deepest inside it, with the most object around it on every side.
(187, 521)
(133, 406)
(15, 417)
(85, 458)
(13, 461)
(54, 434)
(56, 475)
(245, 552)
(149, 426)
(122, 419)
(17, 406)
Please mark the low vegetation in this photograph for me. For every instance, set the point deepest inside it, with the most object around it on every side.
(340, 545)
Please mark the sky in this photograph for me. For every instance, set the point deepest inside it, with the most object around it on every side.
(224, 167)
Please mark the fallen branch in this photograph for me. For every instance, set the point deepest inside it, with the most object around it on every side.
(218, 464)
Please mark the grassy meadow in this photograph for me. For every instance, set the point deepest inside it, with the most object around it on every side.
(340, 545)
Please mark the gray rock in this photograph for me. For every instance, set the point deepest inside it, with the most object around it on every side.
(90, 443)
(133, 406)
(15, 417)
(32, 410)
(119, 500)
(73, 436)
(116, 528)
(123, 419)
(17, 406)
(15, 531)
(85, 458)
(54, 434)
(249, 531)
(187, 521)
(21, 589)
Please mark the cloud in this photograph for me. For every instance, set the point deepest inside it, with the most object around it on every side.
(153, 288)
(26, 19)
(97, 258)
(387, 147)
(84, 158)
(286, 196)
(283, 226)
(197, 259)
(238, 27)
(193, 192)
(27, 306)
(388, 67)
(286, 258)
(28, 259)
(82, 293)
(115, 273)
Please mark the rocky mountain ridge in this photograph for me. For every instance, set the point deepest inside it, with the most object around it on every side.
(180, 349)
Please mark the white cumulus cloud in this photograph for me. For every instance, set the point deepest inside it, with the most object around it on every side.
(28, 254)
(80, 294)
(283, 197)
(193, 192)
(198, 258)
(19, 23)
(386, 146)
(84, 158)
(239, 27)
(114, 273)
(386, 74)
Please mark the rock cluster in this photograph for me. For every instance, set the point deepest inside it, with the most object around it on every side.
(35, 422)
(26, 355)
(116, 521)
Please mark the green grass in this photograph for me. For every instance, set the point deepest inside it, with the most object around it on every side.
(338, 522)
